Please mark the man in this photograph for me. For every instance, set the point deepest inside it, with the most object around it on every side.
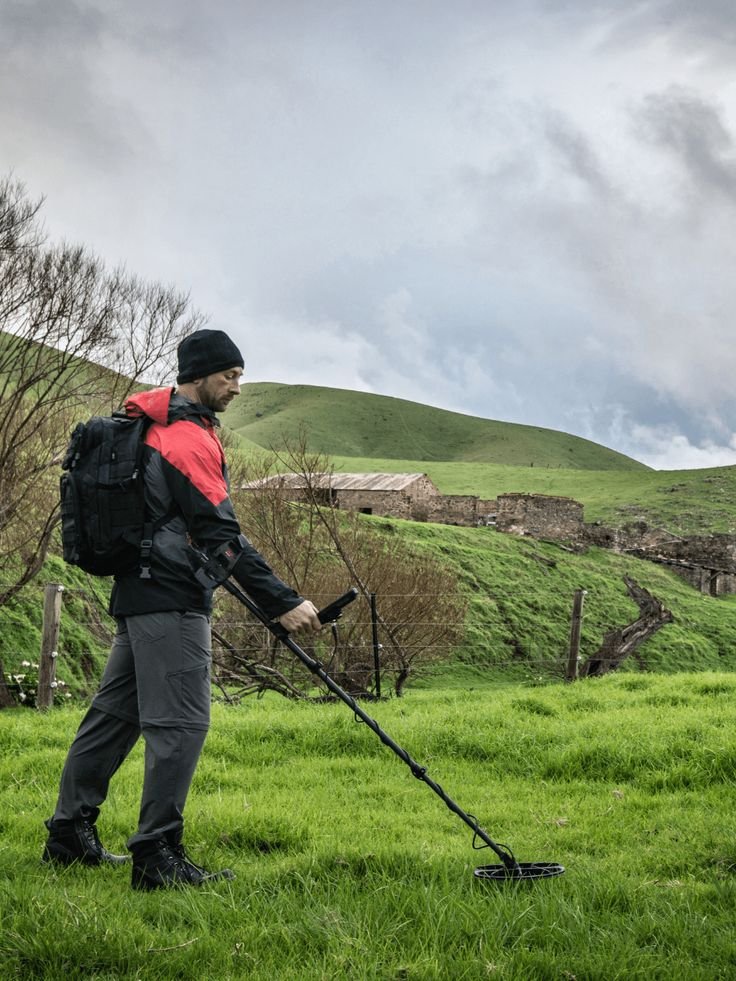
(157, 679)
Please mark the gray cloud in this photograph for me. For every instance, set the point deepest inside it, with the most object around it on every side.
(707, 26)
(58, 98)
(520, 211)
(694, 131)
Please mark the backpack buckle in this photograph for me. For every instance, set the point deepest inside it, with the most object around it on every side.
(146, 546)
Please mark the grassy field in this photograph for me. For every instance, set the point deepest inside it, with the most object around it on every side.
(349, 867)
(349, 423)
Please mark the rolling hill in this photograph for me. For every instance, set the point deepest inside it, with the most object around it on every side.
(463, 454)
(357, 424)
(520, 590)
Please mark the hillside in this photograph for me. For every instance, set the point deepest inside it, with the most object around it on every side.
(518, 625)
(357, 424)
(520, 602)
(520, 599)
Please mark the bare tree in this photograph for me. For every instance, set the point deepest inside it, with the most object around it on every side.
(422, 610)
(322, 551)
(75, 340)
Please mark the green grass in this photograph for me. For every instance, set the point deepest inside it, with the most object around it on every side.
(347, 866)
(84, 631)
(359, 424)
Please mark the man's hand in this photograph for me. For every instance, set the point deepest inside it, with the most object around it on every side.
(302, 617)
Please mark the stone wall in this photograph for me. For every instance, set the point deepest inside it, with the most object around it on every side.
(449, 509)
(710, 551)
(421, 495)
(634, 535)
(707, 562)
(712, 582)
(389, 504)
(487, 511)
(541, 516)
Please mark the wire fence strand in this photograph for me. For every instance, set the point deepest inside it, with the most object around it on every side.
(247, 641)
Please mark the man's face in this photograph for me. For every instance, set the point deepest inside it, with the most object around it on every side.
(217, 391)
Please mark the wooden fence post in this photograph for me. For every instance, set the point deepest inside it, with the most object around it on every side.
(376, 646)
(6, 699)
(49, 643)
(573, 657)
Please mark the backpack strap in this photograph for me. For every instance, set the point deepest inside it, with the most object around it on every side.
(149, 527)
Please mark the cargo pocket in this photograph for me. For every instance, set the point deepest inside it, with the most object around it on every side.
(149, 628)
(190, 685)
(190, 689)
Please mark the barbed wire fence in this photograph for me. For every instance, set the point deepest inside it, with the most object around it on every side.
(247, 659)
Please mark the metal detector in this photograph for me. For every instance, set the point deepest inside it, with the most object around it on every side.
(510, 870)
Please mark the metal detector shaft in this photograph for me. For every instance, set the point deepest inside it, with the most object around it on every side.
(420, 772)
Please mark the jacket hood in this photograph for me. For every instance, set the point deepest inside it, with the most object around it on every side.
(164, 405)
(154, 404)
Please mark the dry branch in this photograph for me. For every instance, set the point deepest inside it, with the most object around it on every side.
(75, 339)
(618, 644)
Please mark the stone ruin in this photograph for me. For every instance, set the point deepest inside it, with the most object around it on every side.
(706, 562)
(540, 516)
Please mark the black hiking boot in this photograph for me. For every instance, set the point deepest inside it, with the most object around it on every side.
(77, 841)
(162, 865)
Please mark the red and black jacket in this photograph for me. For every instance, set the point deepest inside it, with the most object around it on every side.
(186, 488)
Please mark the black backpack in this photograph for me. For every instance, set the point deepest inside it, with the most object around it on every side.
(104, 526)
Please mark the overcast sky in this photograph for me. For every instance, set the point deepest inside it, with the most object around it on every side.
(519, 209)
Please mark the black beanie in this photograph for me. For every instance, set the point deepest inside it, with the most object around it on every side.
(206, 352)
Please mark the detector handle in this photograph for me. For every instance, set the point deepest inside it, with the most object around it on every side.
(329, 614)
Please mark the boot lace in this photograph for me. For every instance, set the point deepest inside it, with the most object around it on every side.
(183, 858)
(88, 832)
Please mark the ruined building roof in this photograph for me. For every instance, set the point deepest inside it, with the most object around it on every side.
(346, 481)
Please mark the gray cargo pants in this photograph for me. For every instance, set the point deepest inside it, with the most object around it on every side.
(156, 684)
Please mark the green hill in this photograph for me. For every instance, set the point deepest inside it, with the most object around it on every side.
(520, 590)
(357, 424)
(467, 455)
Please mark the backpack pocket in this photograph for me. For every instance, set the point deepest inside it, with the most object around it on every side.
(71, 518)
